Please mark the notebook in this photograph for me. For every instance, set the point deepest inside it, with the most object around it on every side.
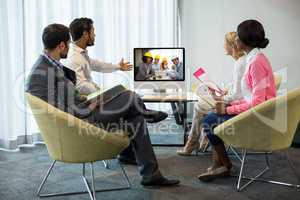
(104, 96)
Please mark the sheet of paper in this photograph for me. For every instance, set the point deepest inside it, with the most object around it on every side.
(200, 75)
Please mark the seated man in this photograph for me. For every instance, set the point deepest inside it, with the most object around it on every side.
(83, 36)
(55, 84)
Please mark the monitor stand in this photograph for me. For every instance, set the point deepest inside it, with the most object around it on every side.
(160, 90)
(164, 91)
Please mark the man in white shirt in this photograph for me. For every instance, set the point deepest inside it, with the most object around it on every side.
(83, 36)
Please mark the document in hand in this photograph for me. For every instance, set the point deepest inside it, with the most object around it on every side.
(200, 74)
(107, 95)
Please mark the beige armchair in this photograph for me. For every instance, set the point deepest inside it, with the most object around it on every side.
(267, 127)
(278, 80)
(72, 140)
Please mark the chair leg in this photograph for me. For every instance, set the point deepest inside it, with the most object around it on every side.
(206, 147)
(86, 183)
(90, 189)
(125, 176)
(93, 180)
(45, 178)
(241, 171)
(106, 164)
(235, 152)
(257, 177)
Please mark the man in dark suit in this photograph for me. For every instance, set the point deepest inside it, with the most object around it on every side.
(54, 83)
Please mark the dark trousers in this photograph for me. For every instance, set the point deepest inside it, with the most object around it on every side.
(209, 122)
(126, 112)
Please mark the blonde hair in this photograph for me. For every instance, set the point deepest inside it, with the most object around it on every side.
(230, 40)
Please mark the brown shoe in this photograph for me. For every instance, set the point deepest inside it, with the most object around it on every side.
(188, 148)
(212, 174)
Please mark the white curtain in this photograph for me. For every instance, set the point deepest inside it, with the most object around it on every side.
(120, 26)
(12, 117)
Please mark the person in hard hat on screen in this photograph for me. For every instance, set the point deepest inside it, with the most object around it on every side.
(145, 70)
(177, 69)
(164, 64)
(156, 65)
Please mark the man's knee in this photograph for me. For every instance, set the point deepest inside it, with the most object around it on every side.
(132, 97)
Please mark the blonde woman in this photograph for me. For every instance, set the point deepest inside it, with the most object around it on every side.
(202, 107)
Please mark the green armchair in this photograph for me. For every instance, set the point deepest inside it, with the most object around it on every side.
(72, 140)
(267, 127)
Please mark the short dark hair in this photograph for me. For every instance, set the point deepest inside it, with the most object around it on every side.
(252, 33)
(79, 25)
(54, 34)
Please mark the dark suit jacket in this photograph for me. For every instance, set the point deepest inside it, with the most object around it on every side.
(57, 87)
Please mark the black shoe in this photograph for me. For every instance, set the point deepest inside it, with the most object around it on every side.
(153, 116)
(162, 182)
(127, 161)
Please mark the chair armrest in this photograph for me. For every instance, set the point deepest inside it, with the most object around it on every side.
(84, 142)
(261, 128)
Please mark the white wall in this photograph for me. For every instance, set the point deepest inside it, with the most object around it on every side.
(204, 24)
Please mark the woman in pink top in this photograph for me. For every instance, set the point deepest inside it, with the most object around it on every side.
(257, 86)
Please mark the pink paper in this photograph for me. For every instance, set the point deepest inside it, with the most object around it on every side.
(199, 72)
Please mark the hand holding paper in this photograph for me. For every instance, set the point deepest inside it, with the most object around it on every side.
(212, 87)
(221, 107)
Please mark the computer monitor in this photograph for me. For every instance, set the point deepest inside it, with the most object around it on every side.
(159, 68)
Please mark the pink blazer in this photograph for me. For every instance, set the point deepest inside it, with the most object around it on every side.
(260, 81)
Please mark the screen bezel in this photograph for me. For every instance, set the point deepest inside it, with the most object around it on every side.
(151, 48)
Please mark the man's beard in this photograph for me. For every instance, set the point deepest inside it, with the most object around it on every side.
(63, 55)
(90, 43)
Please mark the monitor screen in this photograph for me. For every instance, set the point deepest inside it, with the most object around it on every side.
(159, 64)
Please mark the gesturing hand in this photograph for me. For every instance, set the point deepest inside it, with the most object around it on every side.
(125, 66)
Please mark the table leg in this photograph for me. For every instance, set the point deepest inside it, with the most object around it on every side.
(177, 112)
(185, 122)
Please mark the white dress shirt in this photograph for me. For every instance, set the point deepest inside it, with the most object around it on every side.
(235, 92)
(79, 61)
(246, 92)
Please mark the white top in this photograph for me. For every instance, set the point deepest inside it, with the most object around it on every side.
(79, 61)
(156, 67)
(247, 94)
(239, 69)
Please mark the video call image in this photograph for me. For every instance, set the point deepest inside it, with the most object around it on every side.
(158, 64)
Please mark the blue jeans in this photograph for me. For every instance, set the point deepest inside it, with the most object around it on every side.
(209, 122)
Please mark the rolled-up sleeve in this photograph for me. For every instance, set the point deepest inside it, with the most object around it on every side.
(99, 66)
